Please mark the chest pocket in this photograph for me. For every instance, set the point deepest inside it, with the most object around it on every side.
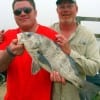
(80, 48)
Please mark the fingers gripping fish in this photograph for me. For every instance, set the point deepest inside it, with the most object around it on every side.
(49, 56)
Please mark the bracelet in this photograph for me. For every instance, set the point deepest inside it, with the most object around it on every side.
(10, 52)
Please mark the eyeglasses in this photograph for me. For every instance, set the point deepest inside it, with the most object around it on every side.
(26, 10)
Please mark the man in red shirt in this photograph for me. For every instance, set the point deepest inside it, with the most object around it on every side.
(21, 83)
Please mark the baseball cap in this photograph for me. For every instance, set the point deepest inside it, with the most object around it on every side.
(63, 1)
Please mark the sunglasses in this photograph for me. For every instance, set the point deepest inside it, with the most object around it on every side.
(26, 10)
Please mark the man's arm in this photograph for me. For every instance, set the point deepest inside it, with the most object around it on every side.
(90, 63)
(5, 59)
(7, 55)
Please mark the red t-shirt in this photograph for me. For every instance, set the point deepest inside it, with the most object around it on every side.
(21, 83)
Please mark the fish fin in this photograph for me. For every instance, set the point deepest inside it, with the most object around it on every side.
(44, 62)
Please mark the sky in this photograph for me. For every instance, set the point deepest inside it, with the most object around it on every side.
(46, 10)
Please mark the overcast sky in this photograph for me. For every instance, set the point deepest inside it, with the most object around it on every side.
(47, 12)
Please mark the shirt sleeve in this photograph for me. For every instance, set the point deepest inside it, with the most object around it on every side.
(90, 62)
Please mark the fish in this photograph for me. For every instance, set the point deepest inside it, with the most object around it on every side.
(48, 55)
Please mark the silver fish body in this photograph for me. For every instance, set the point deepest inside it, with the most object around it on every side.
(48, 55)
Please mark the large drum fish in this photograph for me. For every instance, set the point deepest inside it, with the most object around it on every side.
(49, 56)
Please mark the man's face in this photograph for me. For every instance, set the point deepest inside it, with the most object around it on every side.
(25, 14)
(67, 12)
